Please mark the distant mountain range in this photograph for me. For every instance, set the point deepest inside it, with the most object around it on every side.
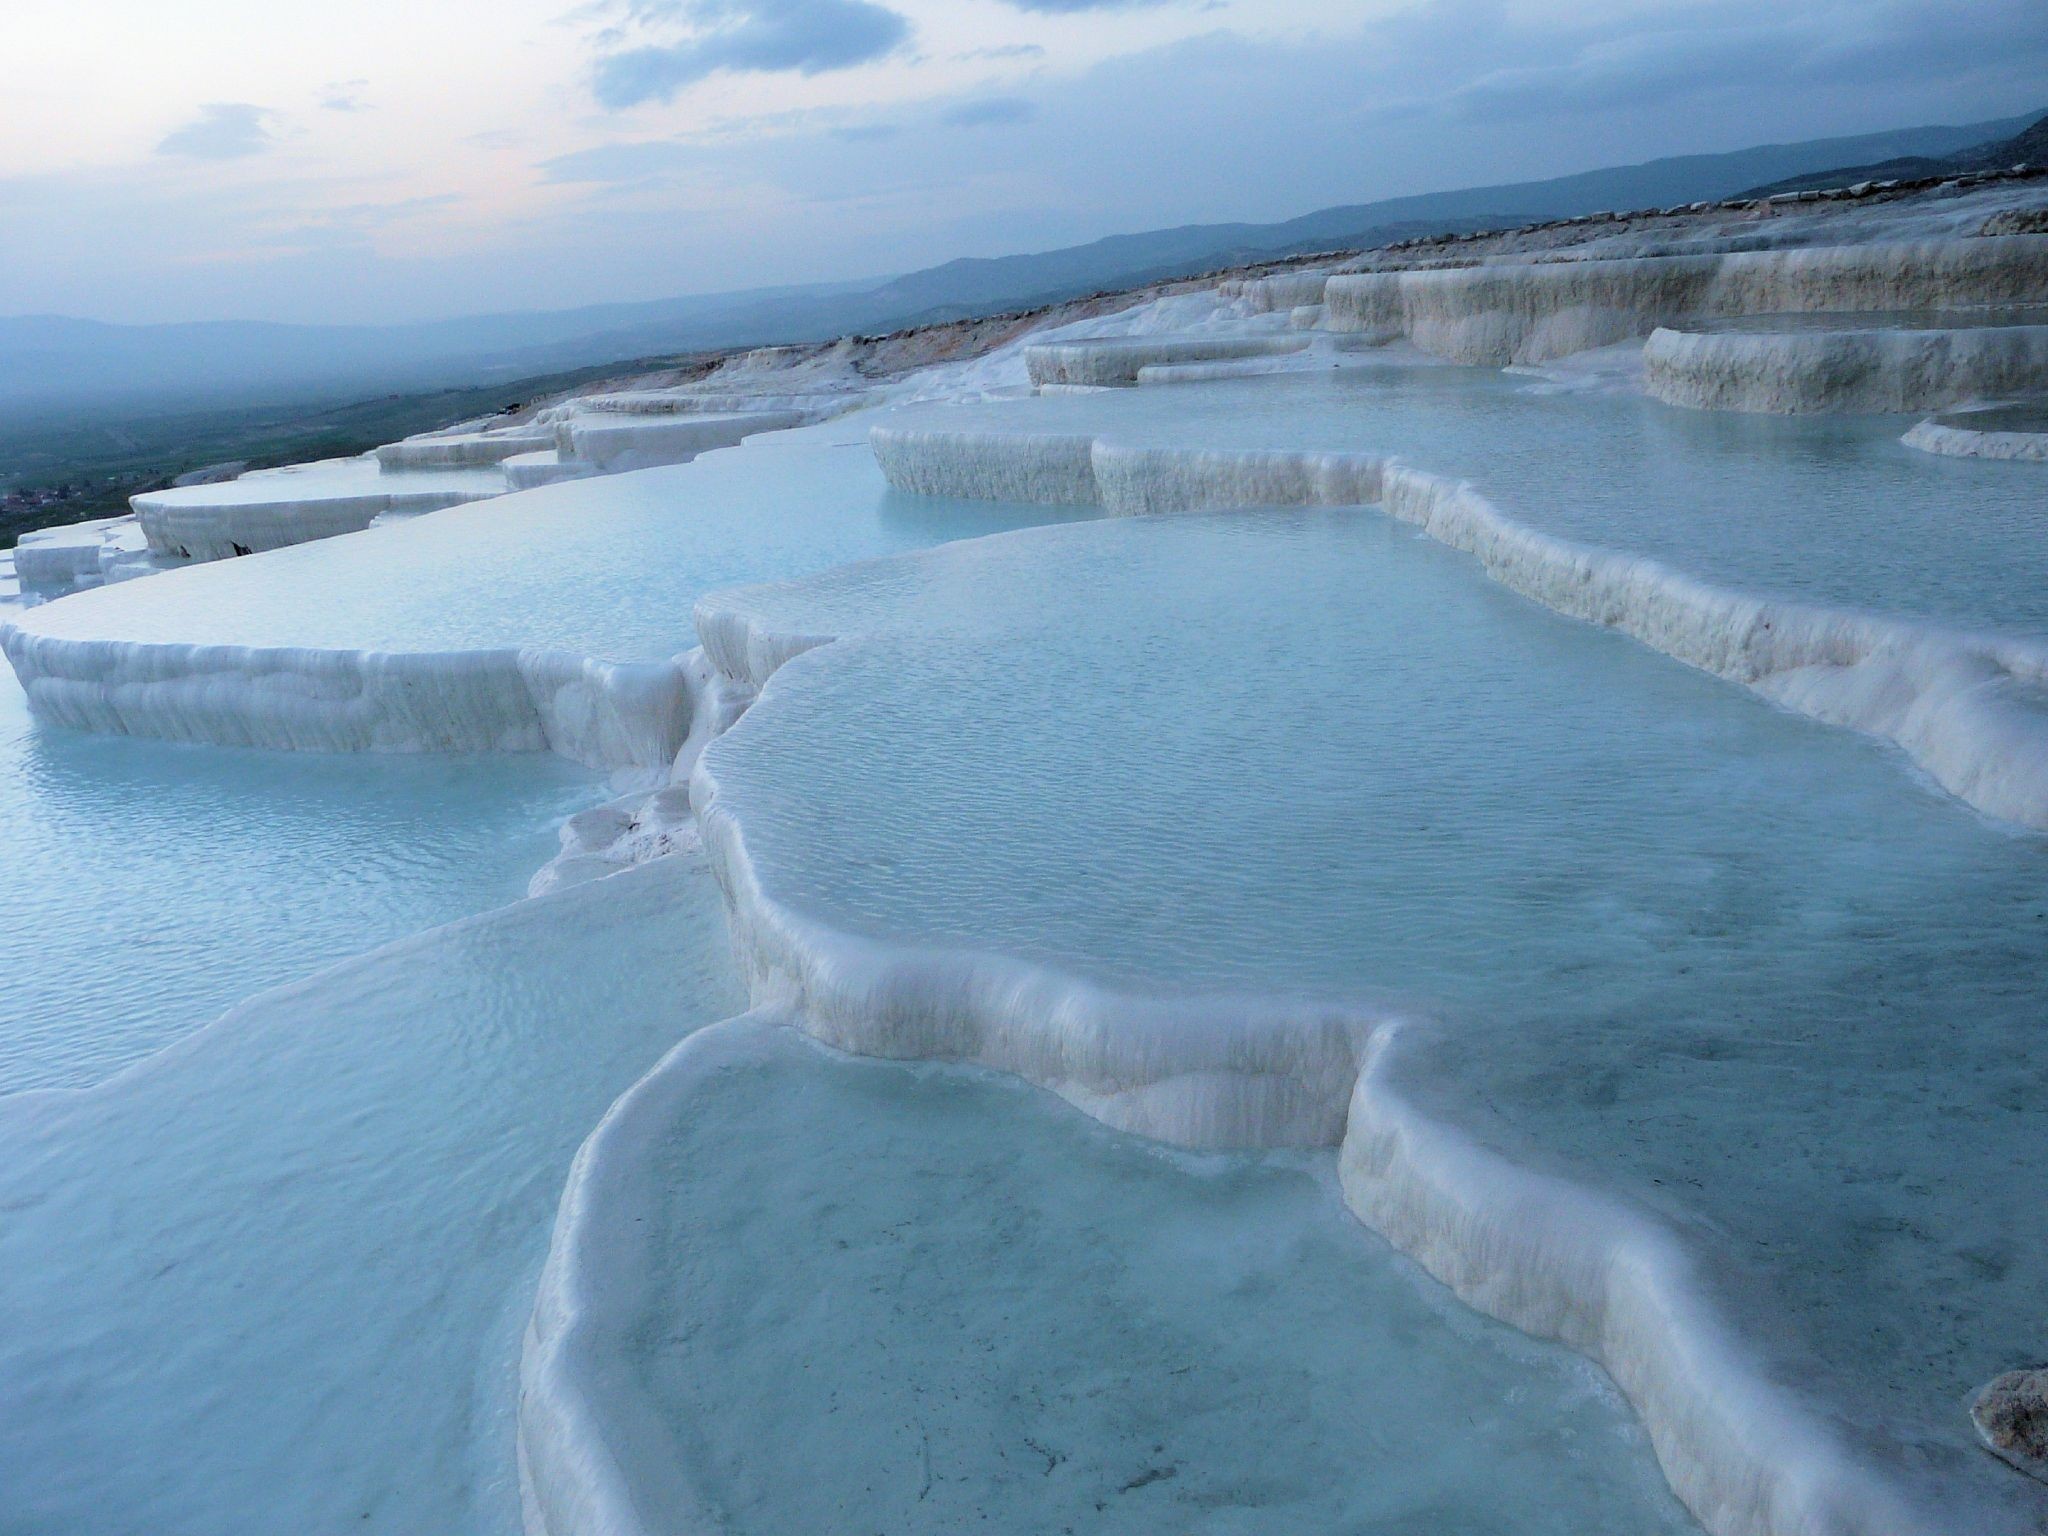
(59, 364)
(2027, 147)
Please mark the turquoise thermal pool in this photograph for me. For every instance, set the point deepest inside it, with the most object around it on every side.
(961, 1304)
(1821, 508)
(162, 884)
(1678, 942)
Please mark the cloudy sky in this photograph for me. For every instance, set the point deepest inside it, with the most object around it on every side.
(395, 159)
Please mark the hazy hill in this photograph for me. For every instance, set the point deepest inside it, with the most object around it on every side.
(2027, 147)
(56, 365)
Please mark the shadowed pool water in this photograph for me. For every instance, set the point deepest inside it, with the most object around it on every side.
(149, 887)
(1739, 962)
(274, 1278)
(963, 1305)
(1825, 508)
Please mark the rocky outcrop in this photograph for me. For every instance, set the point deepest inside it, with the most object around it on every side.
(2011, 1414)
(2010, 432)
(1851, 369)
(1533, 312)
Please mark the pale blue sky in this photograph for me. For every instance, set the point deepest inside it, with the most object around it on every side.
(394, 159)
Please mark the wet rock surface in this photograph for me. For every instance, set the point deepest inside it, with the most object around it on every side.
(2011, 1414)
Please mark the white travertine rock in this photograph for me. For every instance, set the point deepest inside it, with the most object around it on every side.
(1994, 434)
(53, 561)
(1278, 292)
(1288, 290)
(455, 450)
(1531, 312)
(611, 442)
(525, 471)
(272, 509)
(574, 1434)
(1207, 1072)
(1876, 370)
(995, 466)
(1599, 1273)
(607, 715)
(1747, 1454)
(1322, 350)
(1118, 360)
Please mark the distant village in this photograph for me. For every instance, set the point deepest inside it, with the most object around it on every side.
(42, 497)
(46, 506)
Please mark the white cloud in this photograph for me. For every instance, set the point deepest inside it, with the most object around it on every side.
(807, 37)
(795, 159)
(344, 96)
(223, 130)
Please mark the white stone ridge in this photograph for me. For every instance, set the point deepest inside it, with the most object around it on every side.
(199, 531)
(577, 1433)
(1532, 312)
(654, 822)
(437, 450)
(1203, 373)
(1851, 369)
(1053, 468)
(1614, 1282)
(1105, 360)
(1213, 1072)
(1957, 436)
(1278, 292)
(1970, 709)
(51, 562)
(272, 509)
(611, 442)
(218, 518)
(224, 512)
(525, 471)
(603, 714)
(223, 653)
(1004, 371)
(1319, 350)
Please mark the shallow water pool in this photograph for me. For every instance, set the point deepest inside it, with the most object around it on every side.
(923, 1299)
(605, 567)
(149, 887)
(1825, 508)
(1736, 962)
(274, 1279)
